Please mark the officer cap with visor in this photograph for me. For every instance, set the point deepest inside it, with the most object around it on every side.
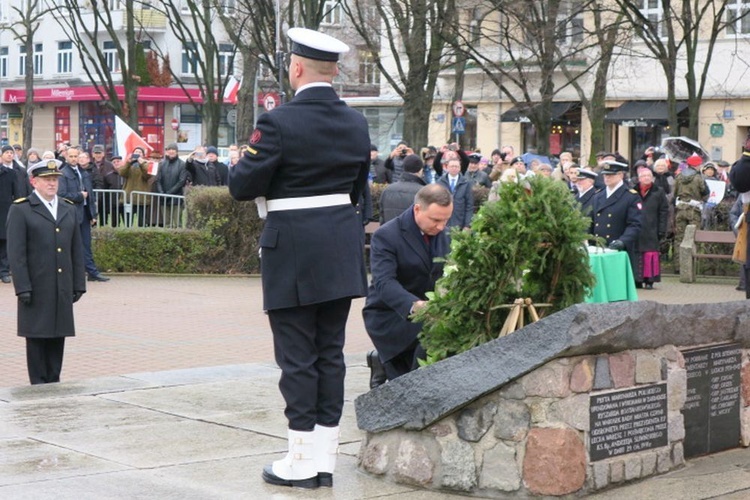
(312, 44)
(45, 168)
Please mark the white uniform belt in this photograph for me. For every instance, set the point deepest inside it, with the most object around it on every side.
(326, 200)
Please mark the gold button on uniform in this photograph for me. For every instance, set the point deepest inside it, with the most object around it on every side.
(59, 270)
(59, 249)
(57, 229)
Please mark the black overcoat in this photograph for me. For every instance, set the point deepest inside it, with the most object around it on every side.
(403, 271)
(654, 217)
(619, 218)
(46, 259)
(8, 192)
(313, 145)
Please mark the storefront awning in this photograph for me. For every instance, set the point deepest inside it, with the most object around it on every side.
(642, 113)
(90, 93)
(519, 113)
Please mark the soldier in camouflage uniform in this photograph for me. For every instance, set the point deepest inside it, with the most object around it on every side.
(690, 192)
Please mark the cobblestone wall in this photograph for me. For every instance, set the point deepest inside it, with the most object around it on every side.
(531, 437)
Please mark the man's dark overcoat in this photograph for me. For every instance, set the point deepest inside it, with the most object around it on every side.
(619, 218)
(313, 145)
(46, 259)
(8, 192)
(403, 271)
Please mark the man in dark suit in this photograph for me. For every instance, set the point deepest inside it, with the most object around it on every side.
(461, 190)
(403, 255)
(9, 191)
(312, 247)
(46, 257)
(76, 185)
(617, 212)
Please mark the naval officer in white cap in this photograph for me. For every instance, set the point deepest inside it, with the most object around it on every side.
(46, 257)
(310, 160)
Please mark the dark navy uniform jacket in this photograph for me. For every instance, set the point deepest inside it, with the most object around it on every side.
(46, 259)
(403, 271)
(618, 218)
(313, 145)
(587, 202)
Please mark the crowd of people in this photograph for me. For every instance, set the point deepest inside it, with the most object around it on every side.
(661, 196)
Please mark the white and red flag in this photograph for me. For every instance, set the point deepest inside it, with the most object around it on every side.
(127, 139)
(230, 91)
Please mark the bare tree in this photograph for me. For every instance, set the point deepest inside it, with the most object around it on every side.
(674, 32)
(24, 30)
(608, 30)
(211, 64)
(523, 48)
(414, 35)
(89, 25)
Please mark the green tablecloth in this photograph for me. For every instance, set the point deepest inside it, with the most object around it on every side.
(614, 278)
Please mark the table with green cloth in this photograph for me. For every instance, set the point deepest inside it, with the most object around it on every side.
(614, 277)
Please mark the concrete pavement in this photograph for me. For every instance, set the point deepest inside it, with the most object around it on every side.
(169, 391)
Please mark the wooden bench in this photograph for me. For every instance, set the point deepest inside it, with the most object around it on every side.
(689, 250)
(370, 228)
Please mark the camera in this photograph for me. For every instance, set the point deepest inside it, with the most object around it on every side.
(403, 153)
(135, 156)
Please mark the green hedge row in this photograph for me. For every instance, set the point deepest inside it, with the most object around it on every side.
(221, 238)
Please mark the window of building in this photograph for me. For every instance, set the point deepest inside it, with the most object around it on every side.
(368, 69)
(65, 57)
(189, 58)
(109, 48)
(332, 13)
(114, 4)
(21, 60)
(738, 18)
(3, 62)
(652, 11)
(226, 59)
(227, 7)
(38, 58)
(570, 22)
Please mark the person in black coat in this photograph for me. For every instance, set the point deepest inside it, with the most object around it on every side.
(76, 185)
(46, 257)
(405, 258)
(739, 176)
(399, 196)
(585, 190)
(463, 194)
(309, 160)
(9, 191)
(617, 213)
(654, 217)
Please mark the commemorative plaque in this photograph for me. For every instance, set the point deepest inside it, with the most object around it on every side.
(712, 408)
(627, 421)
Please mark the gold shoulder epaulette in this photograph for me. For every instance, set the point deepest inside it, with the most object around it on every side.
(71, 202)
(633, 191)
(20, 200)
(746, 153)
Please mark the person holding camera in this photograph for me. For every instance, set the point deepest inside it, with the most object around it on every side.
(395, 160)
(137, 179)
(202, 172)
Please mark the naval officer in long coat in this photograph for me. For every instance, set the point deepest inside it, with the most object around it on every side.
(46, 258)
(310, 160)
(617, 212)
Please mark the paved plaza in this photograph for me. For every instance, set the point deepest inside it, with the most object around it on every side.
(170, 391)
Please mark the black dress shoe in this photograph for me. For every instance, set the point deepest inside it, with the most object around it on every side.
(97, 277)
(377, 372)
(5, 279)
(271, 478)
(740, 288)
